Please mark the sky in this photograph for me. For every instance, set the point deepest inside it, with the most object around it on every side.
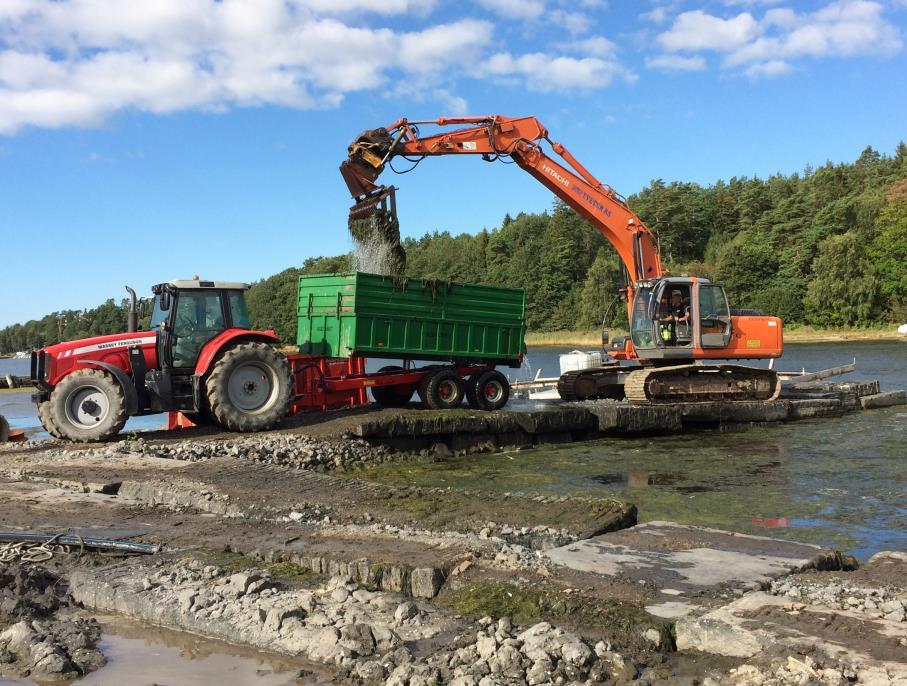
(144, 141)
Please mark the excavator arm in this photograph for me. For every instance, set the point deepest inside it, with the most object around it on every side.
(519, 139)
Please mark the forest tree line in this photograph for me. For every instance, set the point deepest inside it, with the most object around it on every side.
(825, 247)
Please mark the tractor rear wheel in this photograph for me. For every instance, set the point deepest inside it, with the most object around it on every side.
(488, 390)
(249, 387)
(47, 421)
(87, 405)
(442, 390)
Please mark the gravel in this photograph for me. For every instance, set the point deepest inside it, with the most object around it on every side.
(291, 450)
(877, 603)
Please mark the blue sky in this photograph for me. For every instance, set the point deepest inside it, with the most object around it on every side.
(146, 141)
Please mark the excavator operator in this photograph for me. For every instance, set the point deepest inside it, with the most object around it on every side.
(675, 320)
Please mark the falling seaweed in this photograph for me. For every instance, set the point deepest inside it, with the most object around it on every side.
(376, 244)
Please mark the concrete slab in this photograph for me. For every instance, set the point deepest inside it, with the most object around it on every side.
(886, 399)
(761, 623)
(689, 565)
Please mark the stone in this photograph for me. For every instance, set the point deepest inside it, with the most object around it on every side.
(18, 638)
(385, 639)
(323, 645)
(340, 595)
(241, 581)
(653, 636)
(486, 646)
(577, 654)
(371, 671)
(406, 611)
(540, 672)
(186, 599)
(541, 641)
(425, 582)
(276, 616)
(506, 662)
(710, 635)
(358, 639)
(400, 676)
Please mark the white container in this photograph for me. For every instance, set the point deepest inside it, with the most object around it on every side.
(902, 329)
(576, 360)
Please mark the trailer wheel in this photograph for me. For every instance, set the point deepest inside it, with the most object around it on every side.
(87, 405)
(47, 421)
(249, 387)
(442, 390)
(488, 391)
(392, 396)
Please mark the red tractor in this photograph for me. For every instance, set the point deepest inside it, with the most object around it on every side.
(199, 357)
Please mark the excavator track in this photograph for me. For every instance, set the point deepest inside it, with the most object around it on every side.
(585, 384)
(701, 383)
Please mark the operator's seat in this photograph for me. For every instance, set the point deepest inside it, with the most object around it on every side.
(684, 330)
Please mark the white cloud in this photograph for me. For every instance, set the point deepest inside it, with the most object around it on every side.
(766, 46)
(78, 62)
(657, 15)
(768, 69)
(676, 63)
(598, 46)
(377, 6)
(546, 73)
(575, 23)
(697, 30)
(527, 10)
(841, 29)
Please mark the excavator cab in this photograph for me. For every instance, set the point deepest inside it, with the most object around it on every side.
(674, 316)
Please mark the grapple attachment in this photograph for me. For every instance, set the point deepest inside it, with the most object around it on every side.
(382, 198)
(365, 161)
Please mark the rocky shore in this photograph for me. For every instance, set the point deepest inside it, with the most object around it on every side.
(277, 550)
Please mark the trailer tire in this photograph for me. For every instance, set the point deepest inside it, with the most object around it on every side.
(88, 405)
(392, 396)
(442, 390)
(47, 421)
(249, 388)
(488, 390)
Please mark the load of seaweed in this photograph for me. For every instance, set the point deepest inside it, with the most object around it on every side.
(376, 244)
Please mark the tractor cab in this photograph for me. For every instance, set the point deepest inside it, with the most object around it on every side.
(188, 313)
(673, 316)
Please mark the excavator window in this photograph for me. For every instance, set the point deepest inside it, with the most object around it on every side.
(641, 329)
(674, 324)
(714, 317)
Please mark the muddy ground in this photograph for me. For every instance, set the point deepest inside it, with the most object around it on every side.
(276, 547)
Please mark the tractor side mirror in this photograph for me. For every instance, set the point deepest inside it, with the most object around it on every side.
(165, 300)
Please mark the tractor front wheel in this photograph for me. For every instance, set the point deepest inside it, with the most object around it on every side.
(249, 388)
(87, 405)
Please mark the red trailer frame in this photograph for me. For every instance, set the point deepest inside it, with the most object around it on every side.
(329, 383)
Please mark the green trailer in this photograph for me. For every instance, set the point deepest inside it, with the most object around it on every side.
(368, 315)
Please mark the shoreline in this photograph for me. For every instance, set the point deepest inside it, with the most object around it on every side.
(791, 336)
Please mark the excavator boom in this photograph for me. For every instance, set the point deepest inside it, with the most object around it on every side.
(520, 140)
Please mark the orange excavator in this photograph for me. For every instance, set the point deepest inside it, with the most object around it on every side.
(676, 323)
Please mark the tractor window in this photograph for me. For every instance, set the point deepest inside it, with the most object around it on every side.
(199, 318)
(238, 312)
(158, 314)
